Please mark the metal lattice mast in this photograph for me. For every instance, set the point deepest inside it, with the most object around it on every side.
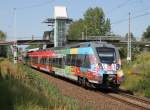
(15, 40)
(129, 42)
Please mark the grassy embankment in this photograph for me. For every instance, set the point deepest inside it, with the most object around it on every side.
(20, 89)
(137, 75)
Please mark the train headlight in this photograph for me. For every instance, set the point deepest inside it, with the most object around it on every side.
(117, 66)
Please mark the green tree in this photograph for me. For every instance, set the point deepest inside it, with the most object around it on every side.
(95, 21)
(3, 49)
(146, 35)
(76, 29)
(2, 36)
(132, 37)
(34, 46)
(123, 52)
(134, 49)
(93, 24)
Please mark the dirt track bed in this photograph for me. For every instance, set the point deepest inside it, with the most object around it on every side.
(96, 100)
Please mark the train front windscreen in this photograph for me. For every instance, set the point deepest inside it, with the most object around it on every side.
(106, 55)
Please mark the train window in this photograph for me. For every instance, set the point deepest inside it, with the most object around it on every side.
(106, 55)
(45, 61)
(57, 62)
(35, 60)
(50, 61)
(40, 60)
(53, 62)
(60, 63)
(80, 59)
(63, 62)
(86, 62)
(68, 59)
(73, 60)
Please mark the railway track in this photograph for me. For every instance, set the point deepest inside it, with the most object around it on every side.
(122, 96)
(143, 100)
(134, 101)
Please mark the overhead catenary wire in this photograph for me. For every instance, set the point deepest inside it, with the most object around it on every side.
(119, 6)
(122, 5)
(145, 9)
(35, 5)
(126, 19)
(138, 11)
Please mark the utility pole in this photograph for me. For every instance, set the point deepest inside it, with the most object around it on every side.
(15, 40)
(129, 42)
(32, 37)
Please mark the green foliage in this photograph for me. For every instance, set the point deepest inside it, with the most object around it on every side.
(146, 34)
(3, 48)
(23, 89)
(135, 50)
(123, 52)
(137, 75)
(2, 36)
(93, 24)
(76, 29)
(132, 37)
(3, 51)
(33, 46)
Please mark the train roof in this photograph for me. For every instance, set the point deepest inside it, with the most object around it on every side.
(86, 44)
(33, 49)
(83, 44)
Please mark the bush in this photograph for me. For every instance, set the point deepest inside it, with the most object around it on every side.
(22, 89)
(137, 75)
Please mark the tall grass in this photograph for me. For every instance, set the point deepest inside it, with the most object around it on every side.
(21, 89)
(137, 75)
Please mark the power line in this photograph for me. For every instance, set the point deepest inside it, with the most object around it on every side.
(119, 21)
(119, 6)
(35, 5)
(126, 19)
(143, 9)
(137, 11)
(124, 4)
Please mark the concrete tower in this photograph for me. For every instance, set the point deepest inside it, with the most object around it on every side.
(59, 23)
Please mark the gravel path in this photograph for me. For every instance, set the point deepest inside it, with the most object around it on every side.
(83, 96)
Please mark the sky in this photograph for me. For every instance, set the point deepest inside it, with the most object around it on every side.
(31, 13)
